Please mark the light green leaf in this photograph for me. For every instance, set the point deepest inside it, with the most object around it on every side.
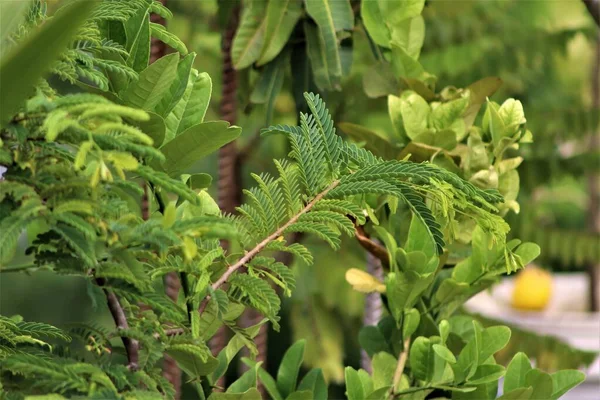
(478, 93)
(449, 290)
(541, 382)
(315, 382)
(493, 339)
(395, 112)
(354, 387)
(444, 330)
(138, 40)
(287, 374)
(178, 87)
(300, 395)
(281, 18)
(27, 62)
(250, 36)
(191, 110)
(415, 112)
(517, 394)
(516, 371)
(245, 382)
(394, 12)
(331, 17)
(11, 15)
(250, 394)
(379, 80)
(384, 366)
(565, 380)
(419, 239)
(199, 181)
(153, 83)
(512, 114)
(410, 34)
(196, 142)
(422, 359)
(404, 65)
(486, 373)
(374, 142)
(266, 379)
(192, 364)
(372, 18)
(528, 252)
(412, 318)
(161, 33)
(495, 124)
(443, 352)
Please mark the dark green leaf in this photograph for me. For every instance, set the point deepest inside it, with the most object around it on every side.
(315, 382)
(287, 375)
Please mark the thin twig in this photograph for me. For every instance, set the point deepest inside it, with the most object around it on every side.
(132, 346)
(401, 364)
(259, 247)
(375, 249)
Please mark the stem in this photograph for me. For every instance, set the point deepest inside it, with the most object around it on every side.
(186, 293)
(259, 247)
(412, 390)
(132, 346)
(400, 367)
(372, 247)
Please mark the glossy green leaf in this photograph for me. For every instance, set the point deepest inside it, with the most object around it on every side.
(419, 239)
(281, 18)
(138, 40)
(565, 380)
(250, 36)
(486, 373)
(384, 366)
(542, 384)
(528, 252)
(354, 387)
(410, 34)
(287, 374)
(314, 381)
(412, 318)
(449, 290)
(25, 63)
(516, 371)
(493, 339)
(300, 395)
(192, 107)
(444, 353)
(372, 340)
(266, 379)
(154, 82)
(196, 142)
(422, 358)
(245, 382)
(373, 18)
(517, 394)
(404, 65)
(178, 86)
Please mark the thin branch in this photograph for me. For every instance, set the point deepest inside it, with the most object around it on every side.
(377, 250)
(132, 347)
(401, 364)
(259, 247)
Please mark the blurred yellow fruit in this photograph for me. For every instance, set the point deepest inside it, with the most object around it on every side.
(533, 288)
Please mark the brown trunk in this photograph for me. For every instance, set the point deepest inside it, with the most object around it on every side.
(594, 183)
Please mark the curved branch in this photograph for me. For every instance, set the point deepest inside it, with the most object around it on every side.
(377, 250)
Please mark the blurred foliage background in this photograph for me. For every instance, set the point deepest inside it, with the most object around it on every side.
(544, 53)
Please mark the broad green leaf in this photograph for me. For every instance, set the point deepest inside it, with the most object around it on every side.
(394, 12)
(269, 84)
(528, 252)
(516, 371)
(365, 380)
(541, 382)
(300, 395)
(443, 352)
(565, 380)
(192, 364)
(449, 116)
(374, 142)
(28, 61)
(331, 17)
(419, 239)
(412, 318)
(154, 82)
(287, 374)
(444, 328)
(281, 18)
(493, 339)
(512, 115)
(379, 394)
(403, 290)
(410, 34)
(161, 33)
(196, 142)
(235, 344)
(199, 181)
(486, 373)
(315, 382)
(415, 112)
(372, 18)
(422, 359)
(250, 36)
(395, 112)
(267, 380)
(11, 15)
(517, 394)
(317, 54)
(245, 382)
(379, 80)
(495, 125)
(478, 93)
(153, 127)
(449, 290)
(354, 387)
(137, 29)
(191, 110)
(178, 87)
(384, 366)
(250, 394)
(372, 340)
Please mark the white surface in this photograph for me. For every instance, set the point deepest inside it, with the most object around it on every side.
(565, 318)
